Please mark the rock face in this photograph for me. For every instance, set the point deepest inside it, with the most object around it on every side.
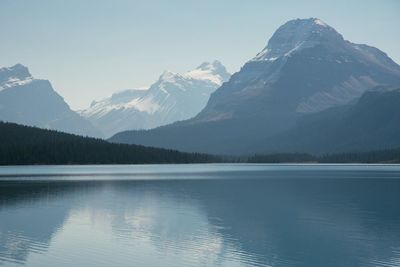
(29, 101)
(173, 97)
(371, 123)
(307, 67)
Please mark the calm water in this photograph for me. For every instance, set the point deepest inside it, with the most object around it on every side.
(200, 215)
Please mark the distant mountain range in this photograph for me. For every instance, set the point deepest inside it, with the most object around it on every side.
(308, 90)
(29, 101)
(173, 97)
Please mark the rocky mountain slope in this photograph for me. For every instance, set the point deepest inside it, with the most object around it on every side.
(371, 123)
(29, 101)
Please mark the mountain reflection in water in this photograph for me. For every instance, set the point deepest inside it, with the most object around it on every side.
(296, 218)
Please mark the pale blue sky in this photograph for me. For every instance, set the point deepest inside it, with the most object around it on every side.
(89, 49)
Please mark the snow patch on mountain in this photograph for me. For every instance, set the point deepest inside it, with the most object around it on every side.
(146, 104)
(320, 22)
(14, 76)
(294, 36)
(214, 72)
(172, 97)
(12, 81)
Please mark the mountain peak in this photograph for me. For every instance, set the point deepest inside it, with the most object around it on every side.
(18, 70)
(168, 77)
(214, 65)
(15, 75)
(319, 22)
(302, 28)
(295, 35)
(213, 71)
(17, 66)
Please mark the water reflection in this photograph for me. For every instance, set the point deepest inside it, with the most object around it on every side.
(315, 220)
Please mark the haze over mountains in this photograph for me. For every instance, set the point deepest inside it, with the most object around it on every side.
(307, 68)
(309, 90)
(371, 123)
(29, 101)
(173, 97)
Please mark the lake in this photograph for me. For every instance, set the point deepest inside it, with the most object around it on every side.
(200, 215)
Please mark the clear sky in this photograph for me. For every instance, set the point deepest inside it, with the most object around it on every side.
(89, 49)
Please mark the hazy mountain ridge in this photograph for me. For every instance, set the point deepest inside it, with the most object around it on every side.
(173, 97)
(370, 123)
(29, 101)
(307, 67)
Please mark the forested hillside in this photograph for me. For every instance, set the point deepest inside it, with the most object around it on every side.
(30, 145)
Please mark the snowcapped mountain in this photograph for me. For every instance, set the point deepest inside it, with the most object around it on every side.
(29, 101)
(14, 76)
(294, 36)
(173, 97)
(307, 67)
